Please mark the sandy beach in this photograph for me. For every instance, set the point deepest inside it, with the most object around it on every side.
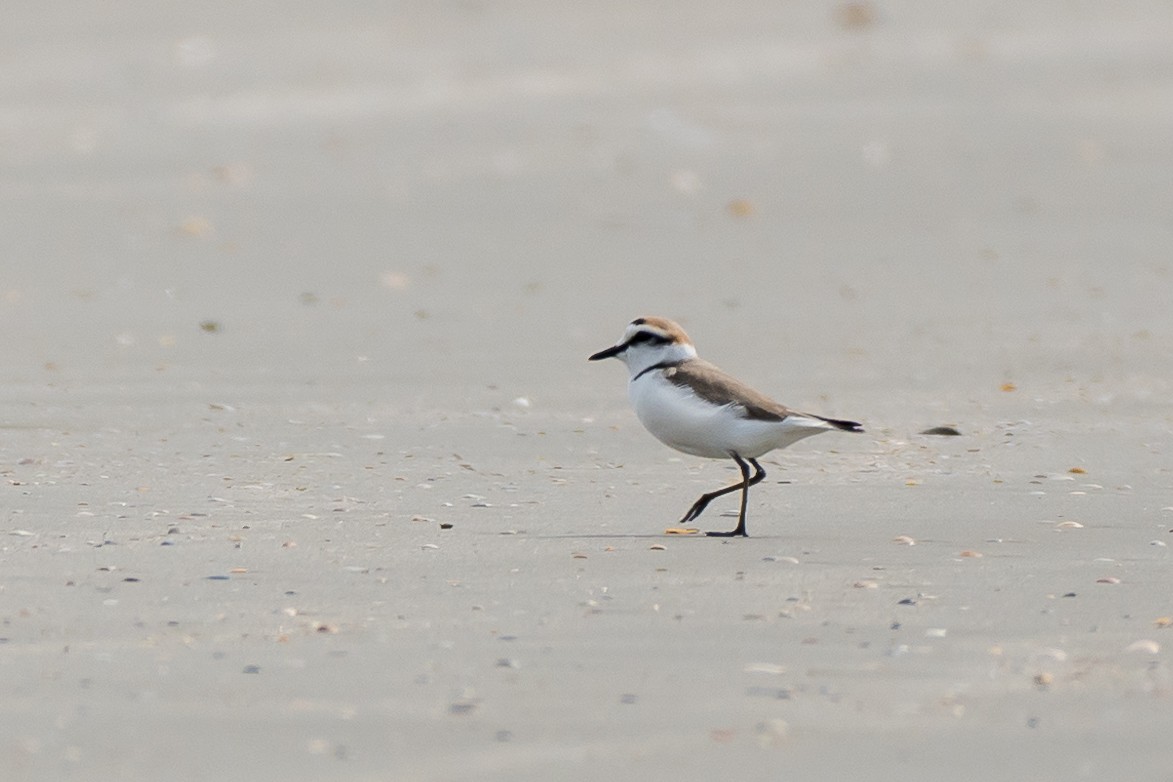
(306, 475)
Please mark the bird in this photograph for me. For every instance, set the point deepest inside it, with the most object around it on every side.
(692, 406)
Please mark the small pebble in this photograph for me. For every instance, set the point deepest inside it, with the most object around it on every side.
(772, 732)
(740, 207)
(1144, 645)
(945, 431)
(904, 540)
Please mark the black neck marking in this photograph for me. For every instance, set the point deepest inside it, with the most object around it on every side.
(661, 365)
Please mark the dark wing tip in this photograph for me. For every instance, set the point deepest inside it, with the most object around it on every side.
(847, 426)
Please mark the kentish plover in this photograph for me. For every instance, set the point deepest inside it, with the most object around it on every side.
(694, 407)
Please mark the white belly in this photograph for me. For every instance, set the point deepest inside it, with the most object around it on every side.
(682, 420)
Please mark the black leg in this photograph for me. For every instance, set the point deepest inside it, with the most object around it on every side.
(746, 482)
(699, 506)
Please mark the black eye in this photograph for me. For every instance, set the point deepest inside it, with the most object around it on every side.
(648, 337)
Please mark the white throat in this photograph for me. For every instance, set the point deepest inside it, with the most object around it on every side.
(640, 357)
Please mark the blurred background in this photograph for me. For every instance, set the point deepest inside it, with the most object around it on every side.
(433, 197)
(287, 288)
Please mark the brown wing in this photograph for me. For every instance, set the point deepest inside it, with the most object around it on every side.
(711, 384)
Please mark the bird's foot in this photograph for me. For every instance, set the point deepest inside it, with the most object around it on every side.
(737, 533)
(695, 511)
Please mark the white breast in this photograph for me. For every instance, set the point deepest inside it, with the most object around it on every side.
(679, 418)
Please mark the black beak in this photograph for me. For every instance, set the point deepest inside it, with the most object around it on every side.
(610, 352)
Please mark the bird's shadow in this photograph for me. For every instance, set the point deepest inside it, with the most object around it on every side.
(643, 536)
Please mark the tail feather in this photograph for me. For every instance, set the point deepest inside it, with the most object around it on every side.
(847, 426)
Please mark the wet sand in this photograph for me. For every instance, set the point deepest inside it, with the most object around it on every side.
(307, 476)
